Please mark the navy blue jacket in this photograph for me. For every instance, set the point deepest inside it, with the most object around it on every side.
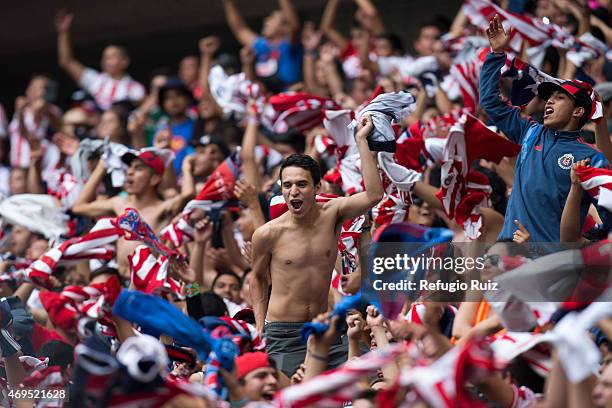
(542, 171)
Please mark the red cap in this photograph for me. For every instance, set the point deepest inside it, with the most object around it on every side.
(149, 158)
(249, 362)
(578, 90)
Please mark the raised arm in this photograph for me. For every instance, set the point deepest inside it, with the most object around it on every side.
(369, 18)
(360, 203)
(507, 118)
(208, 47)
(260, 283)
(327, 24)
(86, 204)
(602, 138)
(241, 31)
(65, 59)
(249, 142)
(176, 203)
(293, 21)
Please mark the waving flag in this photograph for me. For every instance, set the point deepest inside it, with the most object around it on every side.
(134, 228)
(74, 302)
(233, 92)
(586, 48)
(299, 110)
(467, 74)
(179, 232)
(534, 31)
(385, 110)
(335, 387)
(509, 345)
(347, 172)
(219, 186)
(93, 245)
(441, 384)
(398, 182)
(464, 192)
(149, 272)
(525, 81)
(597, 182)
(216, 196)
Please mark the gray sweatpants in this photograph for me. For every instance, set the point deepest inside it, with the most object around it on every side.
(284, 344)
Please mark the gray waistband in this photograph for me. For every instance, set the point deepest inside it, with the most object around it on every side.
(284, 325)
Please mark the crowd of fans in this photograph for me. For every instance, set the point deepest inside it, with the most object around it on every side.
(201, 240)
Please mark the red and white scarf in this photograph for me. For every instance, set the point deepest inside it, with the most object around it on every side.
(149, 272)
(532, 30)
(93, 245)
(334, 388)
(463, 192)
(441, 384)
(347, 172)
(299, 110)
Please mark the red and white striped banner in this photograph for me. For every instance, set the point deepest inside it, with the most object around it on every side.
(334, 388)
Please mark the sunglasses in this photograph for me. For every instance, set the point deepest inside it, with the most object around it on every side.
(493, 259)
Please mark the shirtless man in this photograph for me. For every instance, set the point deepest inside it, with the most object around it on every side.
(296, 253)
(143, 176)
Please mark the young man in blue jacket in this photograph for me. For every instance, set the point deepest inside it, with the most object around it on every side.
(548, 150)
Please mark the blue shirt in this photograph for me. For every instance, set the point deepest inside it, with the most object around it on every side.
(283, 59)
(542, 170)
(181, 141)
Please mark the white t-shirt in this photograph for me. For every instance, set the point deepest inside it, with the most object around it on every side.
(20, 147)
(106, 90)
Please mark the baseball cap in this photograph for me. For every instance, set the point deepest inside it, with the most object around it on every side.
(249, 362)
(206, 140)
(573, 88)
(149, 158)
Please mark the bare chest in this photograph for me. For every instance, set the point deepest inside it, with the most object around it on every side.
(303, 248)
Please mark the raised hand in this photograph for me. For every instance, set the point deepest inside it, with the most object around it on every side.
(374, 318)
(521, 235)
(573, 176)
(364, 128)
(63, 21)
(356, 325)
(246, 192)
(67, 144)
(203, 230)
(310, 37)
(162, 138)
(179, 268)
(209, 45)
(498, 38)
(247, 55)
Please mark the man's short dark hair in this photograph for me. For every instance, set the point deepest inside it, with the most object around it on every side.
(230, 273)
(213, 304)
(122, 49)
(305, 162)
(396, 42)
(59, 353)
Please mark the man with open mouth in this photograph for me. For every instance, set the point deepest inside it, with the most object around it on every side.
(296, 252)
(548, 150)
